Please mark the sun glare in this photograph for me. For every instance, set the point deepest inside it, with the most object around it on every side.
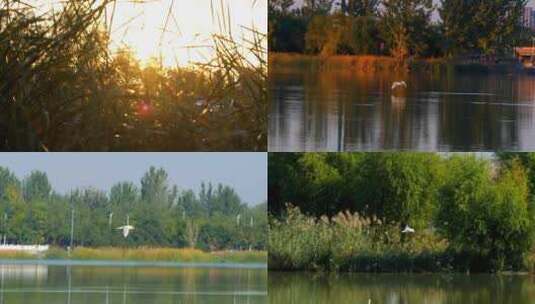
(178, 32)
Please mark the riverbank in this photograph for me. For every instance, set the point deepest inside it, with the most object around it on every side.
(372, 63)
(352, 243)
(142, 254)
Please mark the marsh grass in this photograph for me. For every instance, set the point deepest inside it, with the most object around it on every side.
(356, 63)
(351, 242)
(15, 254)
(62, 89)
(143, 254)
(182, 255)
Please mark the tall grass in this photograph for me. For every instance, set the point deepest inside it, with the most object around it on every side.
(350, 242)
(144, 254)
(62, 88)
(362, 63)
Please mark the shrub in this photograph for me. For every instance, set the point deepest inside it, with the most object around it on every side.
(487, 216)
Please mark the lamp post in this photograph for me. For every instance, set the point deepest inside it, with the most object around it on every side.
(72, 230)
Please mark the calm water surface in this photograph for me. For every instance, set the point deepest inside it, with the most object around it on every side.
(298, 288)
(449, 111)
(32, 283)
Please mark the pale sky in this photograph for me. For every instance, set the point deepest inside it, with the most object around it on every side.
(436, 2)
(245, 172)
(140, 25)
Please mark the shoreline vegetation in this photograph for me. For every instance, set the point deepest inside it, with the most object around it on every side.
(470, 214)
(351, 243)
(142, 254)
(213, 219)
(482, 32)
(279, 62)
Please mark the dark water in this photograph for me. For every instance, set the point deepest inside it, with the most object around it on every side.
(50, 284)
(301, 288)
(448, 111)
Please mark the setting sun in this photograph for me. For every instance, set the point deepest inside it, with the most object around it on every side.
(165, 75)
(179, 32)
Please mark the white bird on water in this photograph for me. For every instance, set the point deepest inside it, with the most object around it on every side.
(407, 229)
(399, 88)
(399, 84)
(126, 228)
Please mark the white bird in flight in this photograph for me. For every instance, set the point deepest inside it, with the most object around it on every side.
(407, 229)
(126, 228)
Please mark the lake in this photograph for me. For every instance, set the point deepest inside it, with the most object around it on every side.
(49, 283)
(318, 110)
(297, 288)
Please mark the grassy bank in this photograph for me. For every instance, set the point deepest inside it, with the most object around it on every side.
(357, 63)
(352, 243)
(144, 254)
(371, 63)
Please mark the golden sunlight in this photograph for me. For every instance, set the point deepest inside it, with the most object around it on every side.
(178, 32)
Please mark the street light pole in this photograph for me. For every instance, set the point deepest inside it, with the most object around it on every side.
(72, 230)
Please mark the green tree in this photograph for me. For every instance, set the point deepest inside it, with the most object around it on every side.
(404, 25)
(359, 7)
(36, 186)
(317, 7)
(226, 201)
(400, 187)
(7, 178)
(486, 218)
(154, 187)
(487, 26)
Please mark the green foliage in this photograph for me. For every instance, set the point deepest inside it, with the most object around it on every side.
(160, 213)
(350, 242)
(158, 254)
(340, 34)
(489, 27)
(404, 25)
(482, 207)
(401, 28)
(398, 187)
(487, 216)
(359, 7)
(286, 30)
(36, 186)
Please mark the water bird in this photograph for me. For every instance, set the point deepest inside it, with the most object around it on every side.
(399, 88)
(126, 228)
(407, 229)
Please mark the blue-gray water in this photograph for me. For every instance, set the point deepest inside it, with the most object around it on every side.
(355, 111)
(306, 288)
(93, 283)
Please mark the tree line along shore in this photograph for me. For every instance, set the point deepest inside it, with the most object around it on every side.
(164, 217)
(402, 212)
(481, 31)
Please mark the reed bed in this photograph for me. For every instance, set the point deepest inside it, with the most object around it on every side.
(15, 254)
(143, 254)
(356, 63)
(351, 242)
(62, 89)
